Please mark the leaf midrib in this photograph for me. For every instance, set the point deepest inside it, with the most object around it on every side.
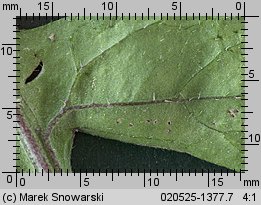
(65, 110)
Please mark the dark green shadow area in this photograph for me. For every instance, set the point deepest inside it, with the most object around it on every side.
(96, 153)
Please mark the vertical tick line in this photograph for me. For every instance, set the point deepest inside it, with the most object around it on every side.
(148, 13)
(212, 12)
(16, 178)
(244, 9)
(116, 10)
(180, 11)
(52, 10)
(144, 179)
(83, 13)
(80, 179)
(208, 177)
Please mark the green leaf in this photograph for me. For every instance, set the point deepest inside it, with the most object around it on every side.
(162, 83)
